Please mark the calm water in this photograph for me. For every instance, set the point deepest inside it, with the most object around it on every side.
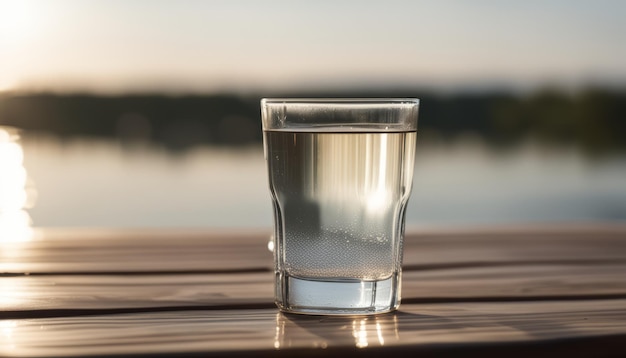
(100, 183)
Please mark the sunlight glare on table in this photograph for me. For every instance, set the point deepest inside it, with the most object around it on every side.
(360, 332)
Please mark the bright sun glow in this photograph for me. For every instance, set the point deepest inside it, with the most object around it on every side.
(18, 19)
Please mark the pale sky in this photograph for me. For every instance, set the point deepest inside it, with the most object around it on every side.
(199, 46)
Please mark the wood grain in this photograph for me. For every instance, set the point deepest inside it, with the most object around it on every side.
(55, 251)
(431, 329)
(34, 296)
(515, 292)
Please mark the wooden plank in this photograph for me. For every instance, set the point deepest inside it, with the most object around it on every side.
(514, 245)
(84, 251)
(56, 251)
(36, 296)
(28, 293)
(583, 328)
(148, 292)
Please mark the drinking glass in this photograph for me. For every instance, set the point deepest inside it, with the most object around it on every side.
(340, 175)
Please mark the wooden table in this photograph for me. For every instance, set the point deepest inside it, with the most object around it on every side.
(514, 292)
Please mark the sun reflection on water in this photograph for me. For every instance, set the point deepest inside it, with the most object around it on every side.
(15, 222)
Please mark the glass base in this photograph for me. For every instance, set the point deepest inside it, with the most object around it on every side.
(318, 296)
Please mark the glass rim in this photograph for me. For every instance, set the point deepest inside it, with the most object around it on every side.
(340, 100)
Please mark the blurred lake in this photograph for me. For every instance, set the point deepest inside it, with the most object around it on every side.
(153, 160)
(105, 183)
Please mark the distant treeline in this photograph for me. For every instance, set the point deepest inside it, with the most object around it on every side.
(592, 119)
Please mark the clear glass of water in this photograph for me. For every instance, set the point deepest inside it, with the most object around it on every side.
(340, 175)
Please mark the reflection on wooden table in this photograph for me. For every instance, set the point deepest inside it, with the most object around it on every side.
(547, 290)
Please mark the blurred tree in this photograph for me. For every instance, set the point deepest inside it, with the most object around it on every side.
(593, 119)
